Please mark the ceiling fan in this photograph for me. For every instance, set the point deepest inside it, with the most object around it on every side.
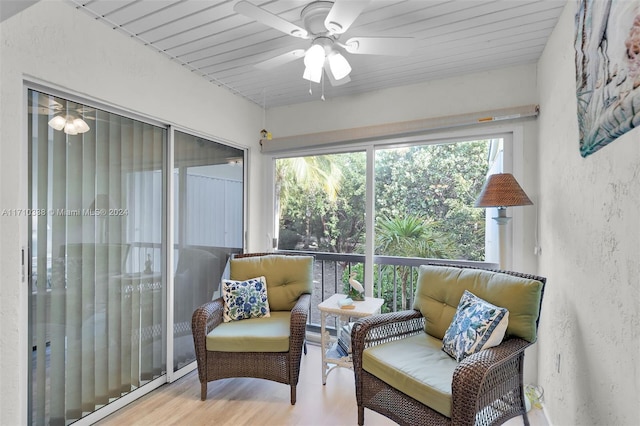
(324, 22)
(69, 119)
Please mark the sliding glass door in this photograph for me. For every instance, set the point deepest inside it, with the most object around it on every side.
(99, 223)
(208, 221)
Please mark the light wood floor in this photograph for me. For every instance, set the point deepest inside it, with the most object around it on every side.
(246, 401)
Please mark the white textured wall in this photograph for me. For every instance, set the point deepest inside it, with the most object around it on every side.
(590, 238)
(488, 90)
(54, 43)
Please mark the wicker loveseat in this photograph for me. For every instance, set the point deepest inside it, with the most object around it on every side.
(402, 372)
(267, 348)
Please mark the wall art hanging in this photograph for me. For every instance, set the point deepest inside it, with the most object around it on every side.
(607, 43)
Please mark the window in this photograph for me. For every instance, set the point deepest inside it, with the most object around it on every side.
(424, 200)
(429, 188)
(422, 204)
(321, 202)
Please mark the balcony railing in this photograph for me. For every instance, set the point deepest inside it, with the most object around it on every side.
(394, 278)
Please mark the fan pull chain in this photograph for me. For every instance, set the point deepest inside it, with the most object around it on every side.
(310, 91)
(322, 82)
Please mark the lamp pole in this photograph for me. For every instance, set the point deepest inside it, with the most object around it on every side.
(502, 220)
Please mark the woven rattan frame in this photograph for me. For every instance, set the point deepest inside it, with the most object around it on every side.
(487, 387)
(283, 367)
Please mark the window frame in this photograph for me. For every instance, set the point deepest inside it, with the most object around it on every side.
(513, 162)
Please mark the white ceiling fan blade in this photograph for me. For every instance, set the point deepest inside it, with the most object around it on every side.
(343, 14)
(280, 60)
(51, 104)
(332, 79)
(392, 46)
(252, 11)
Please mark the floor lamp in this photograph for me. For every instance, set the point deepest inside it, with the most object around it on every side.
(502, 190)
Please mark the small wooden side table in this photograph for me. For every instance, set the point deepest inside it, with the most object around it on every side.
(330, 307)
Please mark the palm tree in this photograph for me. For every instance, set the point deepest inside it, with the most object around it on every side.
(313, 174)
(411, 236)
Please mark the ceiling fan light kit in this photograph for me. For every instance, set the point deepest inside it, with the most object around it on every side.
(71, 125)
(312, 74)
(314, 57)
(57, 122)
(324, 22)
(320, 53)
(339, 65)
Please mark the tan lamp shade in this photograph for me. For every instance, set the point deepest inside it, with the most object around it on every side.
(502, 190)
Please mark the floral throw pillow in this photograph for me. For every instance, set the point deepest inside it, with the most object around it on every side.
(245, 299)
(476, 325)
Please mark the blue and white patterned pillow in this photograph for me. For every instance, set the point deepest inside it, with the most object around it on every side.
(245, 299)
(476, 325)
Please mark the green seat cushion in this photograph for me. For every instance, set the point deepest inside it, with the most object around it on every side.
(440, 288)
(416, 366)
(287, 277)
(266, 334)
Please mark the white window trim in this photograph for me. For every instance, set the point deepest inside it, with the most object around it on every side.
(513, 134)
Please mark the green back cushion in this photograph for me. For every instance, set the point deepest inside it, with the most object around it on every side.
(287, 277)
(440, 288)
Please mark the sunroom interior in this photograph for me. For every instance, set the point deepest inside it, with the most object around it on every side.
(581, 232)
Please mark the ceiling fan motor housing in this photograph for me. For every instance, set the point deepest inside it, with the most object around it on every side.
(326, 42)
(314, 15)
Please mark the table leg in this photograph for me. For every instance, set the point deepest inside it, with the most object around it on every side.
(338, 326)
(323, 346)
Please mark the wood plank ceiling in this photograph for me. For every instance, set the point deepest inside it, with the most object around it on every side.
(454, 37)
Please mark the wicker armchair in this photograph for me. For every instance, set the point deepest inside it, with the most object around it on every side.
(486, 387)
(289, 283)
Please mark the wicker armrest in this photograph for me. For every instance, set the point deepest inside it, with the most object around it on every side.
(381, 328)
(207, 317)
(493, 371)
(298, 324)
(204, 319)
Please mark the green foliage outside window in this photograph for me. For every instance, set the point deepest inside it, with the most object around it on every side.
(424, 198)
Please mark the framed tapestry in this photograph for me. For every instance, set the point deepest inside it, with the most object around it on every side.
(607, 44)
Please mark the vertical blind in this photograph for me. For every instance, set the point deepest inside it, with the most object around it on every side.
(97, 295)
